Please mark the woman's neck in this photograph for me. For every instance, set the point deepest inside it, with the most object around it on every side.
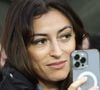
(46, 85)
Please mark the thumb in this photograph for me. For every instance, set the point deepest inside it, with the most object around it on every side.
(76, 84)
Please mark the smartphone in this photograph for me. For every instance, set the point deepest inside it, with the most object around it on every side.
(86, 63)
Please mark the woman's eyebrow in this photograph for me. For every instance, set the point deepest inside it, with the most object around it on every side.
(65, 27)
(40, 34)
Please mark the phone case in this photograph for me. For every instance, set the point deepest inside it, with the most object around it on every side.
(86, 63)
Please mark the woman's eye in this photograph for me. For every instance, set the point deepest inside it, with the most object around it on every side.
(39, 41)
(65, 37)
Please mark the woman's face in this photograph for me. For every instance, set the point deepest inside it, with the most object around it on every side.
(52, 43)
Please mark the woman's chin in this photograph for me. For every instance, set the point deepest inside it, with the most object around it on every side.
(58, 77)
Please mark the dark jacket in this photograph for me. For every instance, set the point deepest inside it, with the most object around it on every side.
(13, 80)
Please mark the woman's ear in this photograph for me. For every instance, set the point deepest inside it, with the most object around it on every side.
(85, 43)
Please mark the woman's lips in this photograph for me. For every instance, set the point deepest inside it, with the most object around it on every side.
(57, 65)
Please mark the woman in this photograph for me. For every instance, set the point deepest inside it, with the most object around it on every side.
(38, 39)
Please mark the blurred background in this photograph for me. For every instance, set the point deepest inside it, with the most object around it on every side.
(88, 10)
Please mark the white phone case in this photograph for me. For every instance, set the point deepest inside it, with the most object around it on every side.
(86, 63)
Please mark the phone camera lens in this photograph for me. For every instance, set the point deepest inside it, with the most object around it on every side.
(77, 64)
(83, 60)
(77, 56)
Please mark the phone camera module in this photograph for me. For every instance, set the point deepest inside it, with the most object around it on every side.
(76, 57)
(77, 64)
(83, 60)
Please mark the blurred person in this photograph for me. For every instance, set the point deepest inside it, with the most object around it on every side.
(2, 55)
(94, 41)
(91, 41)
(2, 51)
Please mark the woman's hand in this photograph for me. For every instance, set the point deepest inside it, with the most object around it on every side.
(75, 85)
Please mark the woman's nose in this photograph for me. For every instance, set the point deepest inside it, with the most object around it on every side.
(56, 50)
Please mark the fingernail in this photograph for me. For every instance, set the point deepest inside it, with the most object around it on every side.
(85, 78)
(97, 88)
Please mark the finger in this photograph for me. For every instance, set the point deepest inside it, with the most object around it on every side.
(75, 85)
